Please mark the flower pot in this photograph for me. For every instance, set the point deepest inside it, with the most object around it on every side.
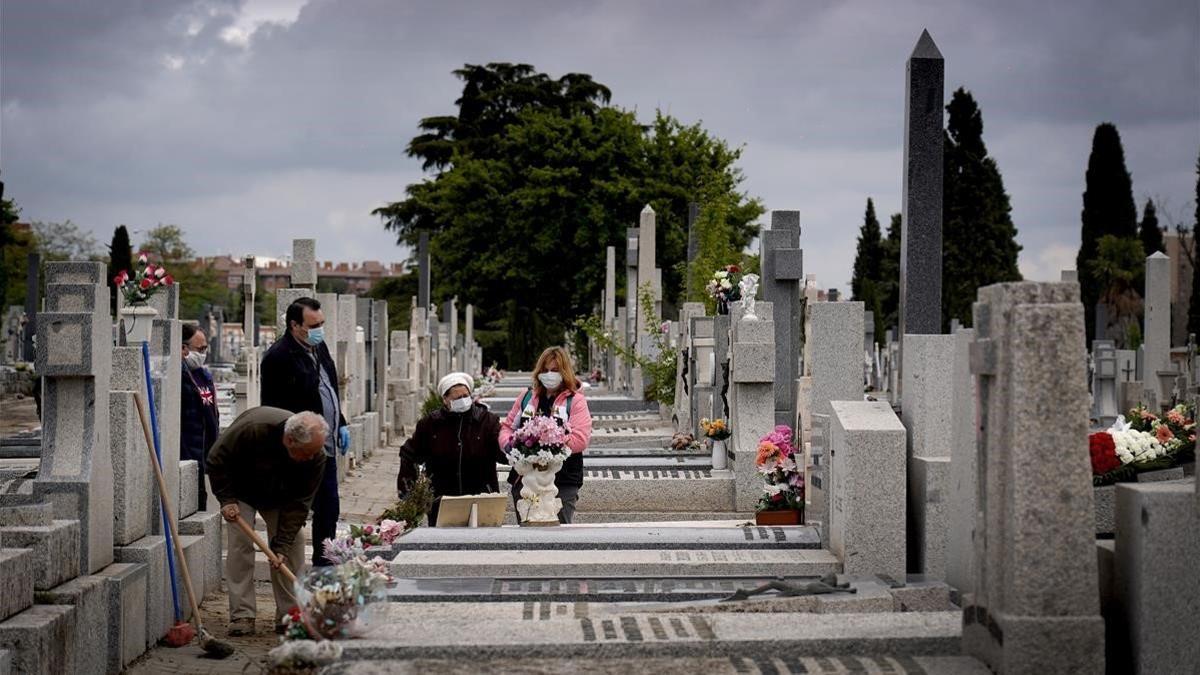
(539, 503)
(722, 307)
(780, 517)
(718, 454)
(137, 321)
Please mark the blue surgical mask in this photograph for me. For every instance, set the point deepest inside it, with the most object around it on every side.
(315, 336)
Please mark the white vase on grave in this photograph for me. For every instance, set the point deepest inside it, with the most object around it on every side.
(718, 454)
(137, 320)
(539, 503)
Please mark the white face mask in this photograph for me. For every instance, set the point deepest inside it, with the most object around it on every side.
(460, 405)
(195, 359)
(550, 380)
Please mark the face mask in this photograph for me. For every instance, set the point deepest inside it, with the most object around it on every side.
(460, 405)
(315, 336)
(550, 380)
(195, 359)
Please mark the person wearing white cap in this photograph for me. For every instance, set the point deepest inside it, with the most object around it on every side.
(458, 444)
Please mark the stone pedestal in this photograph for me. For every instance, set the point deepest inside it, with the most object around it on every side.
(963, 502)
(752, 396)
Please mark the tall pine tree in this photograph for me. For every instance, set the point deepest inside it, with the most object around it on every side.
(979, 240)
(1108, 209)
(868, 261)
(1151, 235)
(120, 258)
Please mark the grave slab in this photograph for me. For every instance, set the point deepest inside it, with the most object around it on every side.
(40, 640)
(158, 614)
(16, 581)
(189, 486)
(210, 569)
(126, 618)
(88, 595)
(55, 550)
(582, 537)
(662, 562)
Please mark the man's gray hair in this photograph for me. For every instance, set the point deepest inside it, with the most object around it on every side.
(305, 427)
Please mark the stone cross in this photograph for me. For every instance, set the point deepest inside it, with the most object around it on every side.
(304, 264)
(423, 270)
(1035, 551)
(74, 358)
(782, 273)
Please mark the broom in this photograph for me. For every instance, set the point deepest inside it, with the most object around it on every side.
(181, 633)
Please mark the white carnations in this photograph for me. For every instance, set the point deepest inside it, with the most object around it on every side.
(1136, 446)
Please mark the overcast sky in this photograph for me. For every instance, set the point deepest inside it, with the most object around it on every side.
(250, 123)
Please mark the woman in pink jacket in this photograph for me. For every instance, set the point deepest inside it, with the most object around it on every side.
(556, 392)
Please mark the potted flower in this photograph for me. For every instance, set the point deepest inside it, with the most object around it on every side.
(137, 288)
(717, 431)
(723, 287)
(536, 452)
(782, 502)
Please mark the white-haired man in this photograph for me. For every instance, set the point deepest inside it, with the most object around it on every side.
(269, 461)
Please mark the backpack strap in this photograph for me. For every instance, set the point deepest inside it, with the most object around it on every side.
(521, 411)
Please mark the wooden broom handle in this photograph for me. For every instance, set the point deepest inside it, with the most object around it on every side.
(262, 546)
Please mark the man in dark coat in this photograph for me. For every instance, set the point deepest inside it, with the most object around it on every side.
(198, 419)
(298, 374)
(269, 461)
(459, 444)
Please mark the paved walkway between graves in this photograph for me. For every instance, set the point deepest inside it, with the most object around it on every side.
(367, 491)
(19, 414)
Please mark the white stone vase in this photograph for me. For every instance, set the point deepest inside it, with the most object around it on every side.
(718, 454)
(539, 503)
(137, 321)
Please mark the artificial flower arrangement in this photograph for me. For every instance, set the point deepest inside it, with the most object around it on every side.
(1142, 442)
(139, 286)
(333, 601)
(538, 442)
(723, 287)
(485, 386)
(717, 430)
(784, 477)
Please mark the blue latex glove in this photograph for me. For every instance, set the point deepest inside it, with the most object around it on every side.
(343, 439)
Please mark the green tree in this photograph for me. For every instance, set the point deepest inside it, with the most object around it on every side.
(979, 240)
(534, 177)
(1108, 209)
(120, 258)
(64, 241)
(1115, 270)
(9, 213)
(199, 282)
(1149, 231)
(868, 260)
(889, 274)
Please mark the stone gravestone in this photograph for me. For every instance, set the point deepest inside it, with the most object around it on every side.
(1105, 406)
(304, 264)
(1034, 606)
(1158, 373)
(721, 366)
(921, 227)
(927, 380)
(866, 509)
(701, 371)
(633, 374)
(423, 280)
(75, 360)
(610, 309)
(33, 268)
(380, 354)
(782, 271)
(960, 547)
(751, 415)
(835, 354)
(684, 373)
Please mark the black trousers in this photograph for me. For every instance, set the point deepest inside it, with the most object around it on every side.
(326, 509)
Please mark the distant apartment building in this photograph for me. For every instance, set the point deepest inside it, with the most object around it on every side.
(351, 278)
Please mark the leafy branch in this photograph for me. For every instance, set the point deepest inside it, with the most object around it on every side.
(660, 366)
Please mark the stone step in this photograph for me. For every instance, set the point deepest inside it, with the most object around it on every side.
(17, 575)
(661, 461)
(640, 562)
(55, 549)
(41, 639)
(467, 630)
(18, 515)
(827, 664)
(644, 452)
(600, 404)
(584, 537)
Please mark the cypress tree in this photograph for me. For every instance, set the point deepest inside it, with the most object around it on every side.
(1108, 209)
(979, 240)
(120, 258)
(868, 261)
(1151, 235)
(889, 286)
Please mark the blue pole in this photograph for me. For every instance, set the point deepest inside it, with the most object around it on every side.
(158, 454)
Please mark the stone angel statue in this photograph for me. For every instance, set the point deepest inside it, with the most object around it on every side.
(749, 288)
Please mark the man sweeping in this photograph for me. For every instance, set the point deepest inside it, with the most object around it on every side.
(268, 461)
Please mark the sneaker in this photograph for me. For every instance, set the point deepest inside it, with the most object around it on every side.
(241, 627)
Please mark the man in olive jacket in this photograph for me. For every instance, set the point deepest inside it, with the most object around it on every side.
(270, 461)
(459, 444)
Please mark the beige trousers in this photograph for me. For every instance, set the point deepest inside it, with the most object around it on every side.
(239, 567)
